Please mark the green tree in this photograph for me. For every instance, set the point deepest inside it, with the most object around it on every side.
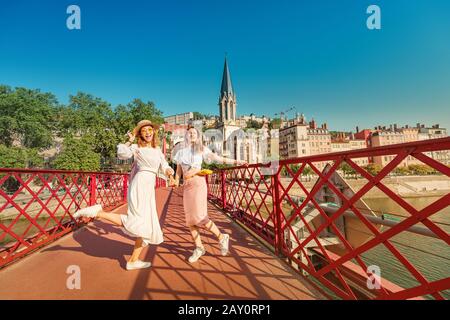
(27, 117)
(92, 112)
(126, 117)
(294, 168)
(275, 123)
(201, 116)
(145, 110)
(77, 155)
(347, 169)
(13, 157)
(168, 136)
(283, 171)
(33, 119)
(373, 168)
(402, 171)
(215, 166)
(198, 115)
(253, 124)
(307, 172)
(86, 114)
(123, 119)
(421, 169)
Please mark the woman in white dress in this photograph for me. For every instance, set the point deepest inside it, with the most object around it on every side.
(195, 192)
(141, 220)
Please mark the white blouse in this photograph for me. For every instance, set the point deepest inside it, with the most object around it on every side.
(148, 159)
(188, 159)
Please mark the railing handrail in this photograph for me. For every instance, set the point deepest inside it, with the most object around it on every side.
(31, 170)
(431, 144)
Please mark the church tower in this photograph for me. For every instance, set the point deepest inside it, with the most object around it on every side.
(227, 100)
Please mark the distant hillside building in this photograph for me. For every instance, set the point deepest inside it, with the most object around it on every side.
(300, 139)
(383, 136)
(242, 121)
(294, 141)
(182, 118)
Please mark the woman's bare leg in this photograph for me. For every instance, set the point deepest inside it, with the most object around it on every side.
(223, 238)
(115, 219)
(96, 213)
(211, 226)
(137, 250)
(196, 236)
(111, 217)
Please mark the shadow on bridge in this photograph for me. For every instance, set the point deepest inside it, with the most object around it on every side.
(100, 250)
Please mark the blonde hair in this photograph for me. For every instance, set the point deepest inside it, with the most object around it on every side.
(141, 141)
(198, 146)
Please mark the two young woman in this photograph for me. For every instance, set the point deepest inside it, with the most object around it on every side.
(141, 220)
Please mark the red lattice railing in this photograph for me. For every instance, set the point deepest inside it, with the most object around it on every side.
(325, 228)
(36, 206)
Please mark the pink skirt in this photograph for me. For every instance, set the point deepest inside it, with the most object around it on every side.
(195, 201)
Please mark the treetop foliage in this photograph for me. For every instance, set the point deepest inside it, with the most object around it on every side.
(91, 127)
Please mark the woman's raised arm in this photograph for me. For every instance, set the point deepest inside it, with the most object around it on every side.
(126, 150)
(222, 160)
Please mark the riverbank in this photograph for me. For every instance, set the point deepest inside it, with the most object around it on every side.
(404, 186)
(407, 186)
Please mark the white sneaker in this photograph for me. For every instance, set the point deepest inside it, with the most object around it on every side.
(138, 264)
(88, 212)
(224, 243)
(198, 252)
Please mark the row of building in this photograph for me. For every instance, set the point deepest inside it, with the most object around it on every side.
(299, 138)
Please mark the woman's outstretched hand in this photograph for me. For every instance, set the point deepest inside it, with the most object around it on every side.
(131, 136)
(169, 172)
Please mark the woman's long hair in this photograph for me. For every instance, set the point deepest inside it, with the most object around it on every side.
(198, 146)
(141, 141)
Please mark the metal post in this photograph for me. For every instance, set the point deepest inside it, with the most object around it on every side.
(277, 207)
(93, 191)
(224, 194)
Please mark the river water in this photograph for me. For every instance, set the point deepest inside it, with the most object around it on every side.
(430, 256)
(22, 228)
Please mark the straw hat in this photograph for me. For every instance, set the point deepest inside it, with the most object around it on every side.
(144, 123)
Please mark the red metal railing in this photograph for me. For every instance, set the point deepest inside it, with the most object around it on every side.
(338, 246)
(36, 206)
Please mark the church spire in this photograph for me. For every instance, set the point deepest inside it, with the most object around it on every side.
(227, 100)
(227, 87)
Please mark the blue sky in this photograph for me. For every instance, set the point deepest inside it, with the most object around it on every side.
(317, 55)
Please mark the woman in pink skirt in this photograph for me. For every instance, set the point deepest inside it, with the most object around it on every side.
(141, 220)
(195, 192)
